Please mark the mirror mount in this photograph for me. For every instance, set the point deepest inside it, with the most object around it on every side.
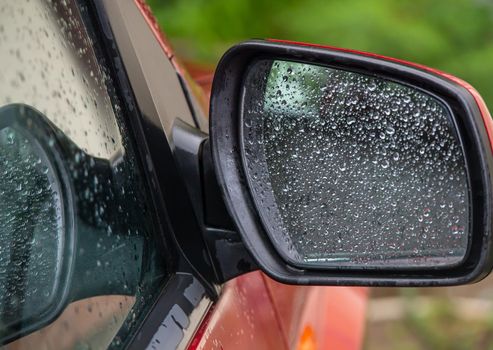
(228, 254)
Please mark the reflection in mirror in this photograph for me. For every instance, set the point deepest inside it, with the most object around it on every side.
(353, 170)
(46, 261)
(32, 234)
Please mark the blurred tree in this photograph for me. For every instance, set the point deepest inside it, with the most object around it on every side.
(453, 35)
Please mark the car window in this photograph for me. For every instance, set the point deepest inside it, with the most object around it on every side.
(78, 238)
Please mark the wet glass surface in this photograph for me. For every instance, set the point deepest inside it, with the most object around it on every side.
(32, 227)
(51, 63)
(353, 170)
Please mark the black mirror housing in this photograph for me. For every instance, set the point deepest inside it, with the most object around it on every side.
(471, 123)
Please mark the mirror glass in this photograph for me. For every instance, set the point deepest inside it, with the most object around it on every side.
(32, 229)
(353, 170)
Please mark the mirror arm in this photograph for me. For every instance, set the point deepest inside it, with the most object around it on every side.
(194, 158)
(225, 243)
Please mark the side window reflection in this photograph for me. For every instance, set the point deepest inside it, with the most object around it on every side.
(80, 261)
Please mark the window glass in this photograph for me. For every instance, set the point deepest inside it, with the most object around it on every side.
(50, 68)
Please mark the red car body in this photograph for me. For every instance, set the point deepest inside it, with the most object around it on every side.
(255, 312)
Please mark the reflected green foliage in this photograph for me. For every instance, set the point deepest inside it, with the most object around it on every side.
(453, 35)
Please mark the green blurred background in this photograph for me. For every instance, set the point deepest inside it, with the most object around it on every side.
(452, 35)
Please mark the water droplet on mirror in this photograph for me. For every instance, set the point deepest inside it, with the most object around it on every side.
(351, 121)
(390, 130)
(345, 151)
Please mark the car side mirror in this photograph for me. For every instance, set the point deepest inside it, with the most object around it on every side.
(341, 167)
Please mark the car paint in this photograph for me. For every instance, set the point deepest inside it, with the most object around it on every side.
(255, 311)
